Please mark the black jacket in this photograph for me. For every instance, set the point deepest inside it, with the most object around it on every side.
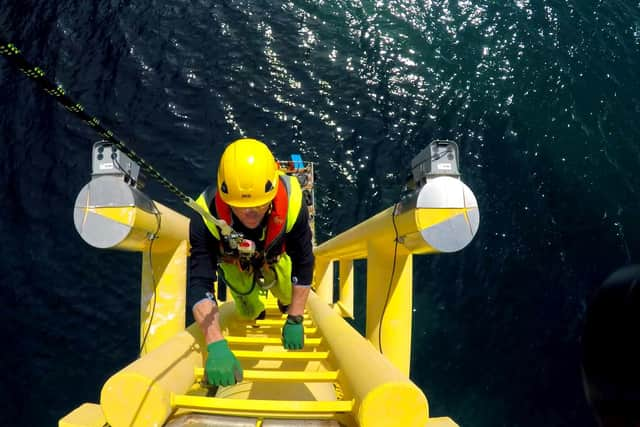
(205, 250)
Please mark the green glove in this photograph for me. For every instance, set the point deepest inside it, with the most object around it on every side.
(222, 367)
(292, 335)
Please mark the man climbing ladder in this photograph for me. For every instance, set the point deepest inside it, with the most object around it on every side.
(270, 247)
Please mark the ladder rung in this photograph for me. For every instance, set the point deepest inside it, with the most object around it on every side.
(278, 376)
(277, 322)
(274, 308)
(268, 340)
(307, 329)
(266, 407)
(281, 355)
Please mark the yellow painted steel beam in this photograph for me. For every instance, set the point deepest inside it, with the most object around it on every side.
(384, 395)
(352, 244)
(139, 395)
(266, 408)
(281, 355)
(142, 224)
(311, 342)
(442, 217)
(323, 278)
(412, 226)
(441, 422)
(345, 300)
(163, 296)
(138, 223)
(342, 310)
(282, 376)
(86, 415)
(389, 304)
(162, 238)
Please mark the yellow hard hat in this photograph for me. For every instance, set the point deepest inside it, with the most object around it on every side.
(247, 174)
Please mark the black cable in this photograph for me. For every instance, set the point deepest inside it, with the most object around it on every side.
(395, 254)
(393, 272)
(114, 157)
(15, 57)
(441, 155)
(152, 239)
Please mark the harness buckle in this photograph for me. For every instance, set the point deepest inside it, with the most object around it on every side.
(263, 285)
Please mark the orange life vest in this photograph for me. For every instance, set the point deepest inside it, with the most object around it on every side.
(274, 244)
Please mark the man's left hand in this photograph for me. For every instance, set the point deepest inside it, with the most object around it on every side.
(292, 335)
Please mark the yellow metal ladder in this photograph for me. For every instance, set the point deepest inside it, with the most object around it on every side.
(277, 383)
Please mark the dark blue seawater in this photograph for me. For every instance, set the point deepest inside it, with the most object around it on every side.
(543, 97)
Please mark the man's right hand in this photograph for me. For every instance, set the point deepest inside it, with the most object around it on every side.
(222, 367)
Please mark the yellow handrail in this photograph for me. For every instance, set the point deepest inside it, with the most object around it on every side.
(441, 217)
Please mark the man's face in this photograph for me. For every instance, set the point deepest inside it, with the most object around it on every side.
(251, 217)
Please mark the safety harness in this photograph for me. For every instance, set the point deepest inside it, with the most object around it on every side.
(280, 217)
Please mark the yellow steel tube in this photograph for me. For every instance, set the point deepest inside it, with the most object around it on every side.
(164, 280)
(324, 279)
(345, 302)
(141, 224)
(140, 394)
(174, 227)
(441, 422)
(162, 299)
(384, 395)
(353, 242)
(170, 226)
(389, 303)
(442, 217)
(86, 415)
